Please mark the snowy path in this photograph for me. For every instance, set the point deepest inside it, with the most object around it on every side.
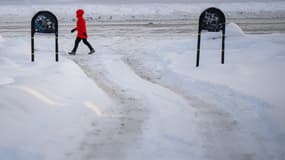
(124, 125)
(151, 108)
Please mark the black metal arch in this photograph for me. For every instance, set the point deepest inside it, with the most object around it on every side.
(44, 22)
(212, 20)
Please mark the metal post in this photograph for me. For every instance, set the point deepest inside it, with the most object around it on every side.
(56, 47)
(198, 48)
(32, 48)
(223, 45)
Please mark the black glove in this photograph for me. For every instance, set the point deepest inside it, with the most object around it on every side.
(85, 34)
(73, 30)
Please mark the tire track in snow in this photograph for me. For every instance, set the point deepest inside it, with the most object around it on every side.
(140, 96)
(218, 132)
(225, 136)
(215, 129)
(112, 136)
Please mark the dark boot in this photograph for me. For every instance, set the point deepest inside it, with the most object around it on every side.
(92, 51)
(71, 53)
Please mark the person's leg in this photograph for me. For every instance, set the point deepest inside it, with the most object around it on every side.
(77, 41)
(89, 46)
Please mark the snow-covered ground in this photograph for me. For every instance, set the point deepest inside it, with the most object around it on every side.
(45, 107)
(232, 109)
(141, 96)
(144, 99)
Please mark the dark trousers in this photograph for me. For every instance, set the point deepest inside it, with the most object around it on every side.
(77, 41)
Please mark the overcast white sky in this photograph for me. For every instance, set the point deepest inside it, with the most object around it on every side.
(122, 1)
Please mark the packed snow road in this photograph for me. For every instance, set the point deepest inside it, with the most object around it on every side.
(151, 27)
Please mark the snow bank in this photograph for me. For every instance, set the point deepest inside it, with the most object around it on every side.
(233, 30)
(43, 108)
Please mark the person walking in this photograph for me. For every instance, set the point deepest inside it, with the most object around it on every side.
(81, 33)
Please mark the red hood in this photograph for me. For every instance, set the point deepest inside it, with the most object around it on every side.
(79, 13)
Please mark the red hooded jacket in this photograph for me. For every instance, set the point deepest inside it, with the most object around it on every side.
(81, 24)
